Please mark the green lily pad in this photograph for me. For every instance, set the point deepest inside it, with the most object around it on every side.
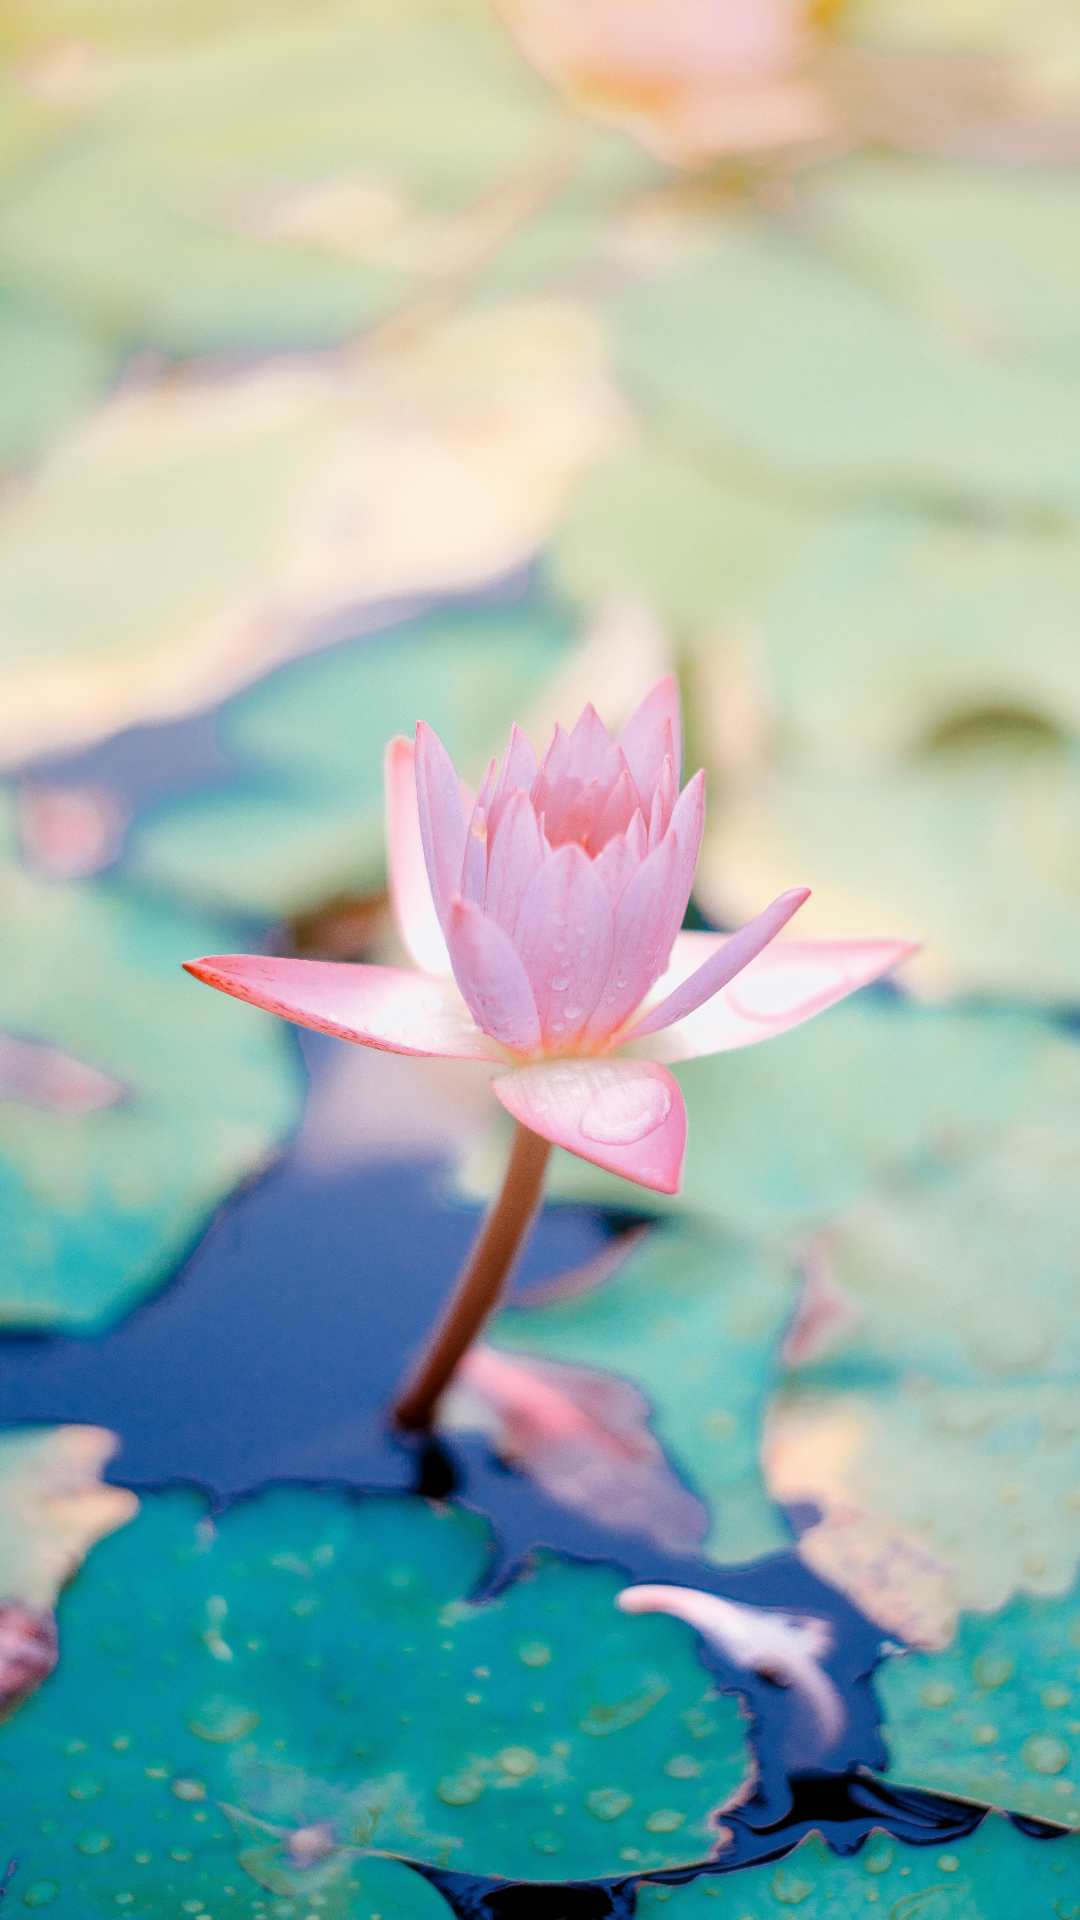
(838, 388)
(163, 208)
(996, 1717)
(693, 1318)
(99, 1205)
(993, 1874)
(250, 1704)
(308, 820)
(54, 370)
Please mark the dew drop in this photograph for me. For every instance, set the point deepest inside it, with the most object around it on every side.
(682, 1766)
(41, 1893)
(947, 1862)
(221, 1717)
(120, 1742)
(607, 1803)
(1055, 1696)
(86, 1787)
(189, 1789)
(518, 1762)
(664, 1820)
(546, 1842)
(1045, 1753)
(619, 1114)
(143, 1859)
(937, 1693)
(459, 1789)
(789, 1889)
(180, 1853)
(95, 1841)
(534, 1653)
(983, 1736)
(560, 983)
(992, 1670)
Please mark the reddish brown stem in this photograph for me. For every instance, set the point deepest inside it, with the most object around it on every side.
(479, 1287)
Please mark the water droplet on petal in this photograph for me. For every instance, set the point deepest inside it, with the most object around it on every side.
(560, 983)
(621, 1112)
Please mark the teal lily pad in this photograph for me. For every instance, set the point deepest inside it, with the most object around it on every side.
(249, 1705)
(306, 820)
(995, 1717)
(99, 1205)
(994, 1873)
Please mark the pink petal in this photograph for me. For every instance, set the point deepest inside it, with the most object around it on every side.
(565, 936)
(442, 818)
(625, 1115)
(584, 1437)
(722, 966)
(590, 744)
(688, 825)
(617, 863)
(784, 985)
(581, 816)
(492, 979)
(644, 741)
(475, 864)
(519, 769)
(663, 802)
(618, 810)
(515, 857)
(391, 1008)
(410, 888)
(646, 921)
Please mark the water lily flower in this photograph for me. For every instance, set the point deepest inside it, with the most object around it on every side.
(544, 914)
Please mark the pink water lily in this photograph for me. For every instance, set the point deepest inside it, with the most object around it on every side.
(544, 914)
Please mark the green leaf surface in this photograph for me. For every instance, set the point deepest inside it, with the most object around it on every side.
(306, 821)
(313, 1662)
(99, 1205)
(996, 1873)
(995, 1717)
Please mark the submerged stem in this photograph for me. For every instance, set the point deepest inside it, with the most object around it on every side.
(481, 1282)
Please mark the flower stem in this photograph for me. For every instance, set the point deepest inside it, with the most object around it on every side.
(480, 1284)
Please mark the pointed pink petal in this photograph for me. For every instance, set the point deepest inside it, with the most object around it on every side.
(475, 864)
(625, 1115)
(391, 1008)
(410, 888)
(618, 811)
(515, 857)
(642, 738)
(663, 802)
(565, 936)
(722, 966)
(493, 981)
(442, 818)
(590, 743)
(688, 825)
(647, 919)
(616, 865)
(519, 769)
(784, 985)
(581, 816)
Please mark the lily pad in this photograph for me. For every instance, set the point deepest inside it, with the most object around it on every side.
(251, 1703)
(306, 819)
(100, 1203)
(996, 1717)
(991, 1874)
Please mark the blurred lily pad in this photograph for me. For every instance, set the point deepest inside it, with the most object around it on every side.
(995, 1718)
(173, 206)
(991, 1874)
(200, 530)
(974, 848)
(307, 820)
(100, 1201)
(850, 395)
(250, 1704)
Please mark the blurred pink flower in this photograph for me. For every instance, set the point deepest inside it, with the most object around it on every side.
(554, 900)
